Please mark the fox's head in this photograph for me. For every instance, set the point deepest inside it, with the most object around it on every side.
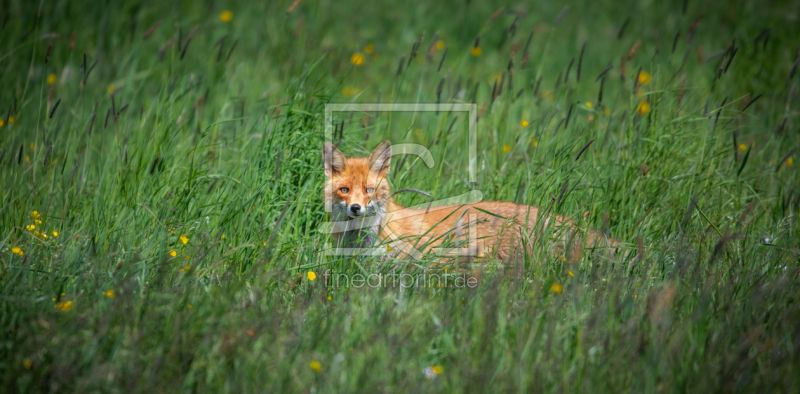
(357, 186)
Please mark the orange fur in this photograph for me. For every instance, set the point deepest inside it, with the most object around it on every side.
(491, 228)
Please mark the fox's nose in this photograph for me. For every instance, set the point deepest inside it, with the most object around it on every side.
(355, 208)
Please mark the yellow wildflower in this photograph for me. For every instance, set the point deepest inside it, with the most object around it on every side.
(570, 273)
(65, 306)
(440, 45)
(388, 248)
(557, 288)
(589, 104)
(506, 148)
(173, 253)
(607, 112)
(437, 369)
(742, 147)
(189, 306)
(27, 363)
(311, 275)
(357, 59)
(226, 16)
(110, 293)
(17, 250)
(30, 227)
(524, 123)
(111, 89)
(55, 233)
(33, 146)
(223, 236)
(643, 108)
(535, 142)
(789, 162)
(369, 48)
(315, 366)
(2, 122)
(348, 91)
(184, 239)
(11, 119)
(51, 79)
(475, 51)
(329, 298)
(644, 78)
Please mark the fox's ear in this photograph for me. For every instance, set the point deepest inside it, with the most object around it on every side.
(333, 159)
(380, 158)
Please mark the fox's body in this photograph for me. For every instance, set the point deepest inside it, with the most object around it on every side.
(359, 199)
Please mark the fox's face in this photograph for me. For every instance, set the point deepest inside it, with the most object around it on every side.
(357, 186)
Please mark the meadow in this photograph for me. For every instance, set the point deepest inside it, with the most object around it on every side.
(161, 195)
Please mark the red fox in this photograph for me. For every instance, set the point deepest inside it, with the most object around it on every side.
(358, 196)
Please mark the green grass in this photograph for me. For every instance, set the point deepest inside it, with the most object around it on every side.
(705, 301)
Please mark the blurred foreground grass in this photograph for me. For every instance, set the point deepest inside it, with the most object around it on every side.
(161, 195)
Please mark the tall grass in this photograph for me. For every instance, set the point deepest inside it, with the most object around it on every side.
(159, 121)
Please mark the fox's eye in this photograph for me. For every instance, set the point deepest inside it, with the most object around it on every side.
(370, 189)
(344, 190)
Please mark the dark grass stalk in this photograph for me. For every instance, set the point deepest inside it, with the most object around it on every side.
(153, 166)
(569, 115)
(91, 122)
(47, 56)
(439, 94)
(221, 44)
(730, 59)
(792, 70)
(735, 148)
(19, 154)
(675, 41)
(53, 111)
(230, 52)
(526, 52)
(441, 62)
(779, 131)
(566, 77)
(163, 50)
(600, 95)
(3, 156)
(622, 29)
(151, 30)
(89, 72)
(400, 67)
(72, 174)
(106, 124)
(584, 149)
(603, 73)
(751, 102)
